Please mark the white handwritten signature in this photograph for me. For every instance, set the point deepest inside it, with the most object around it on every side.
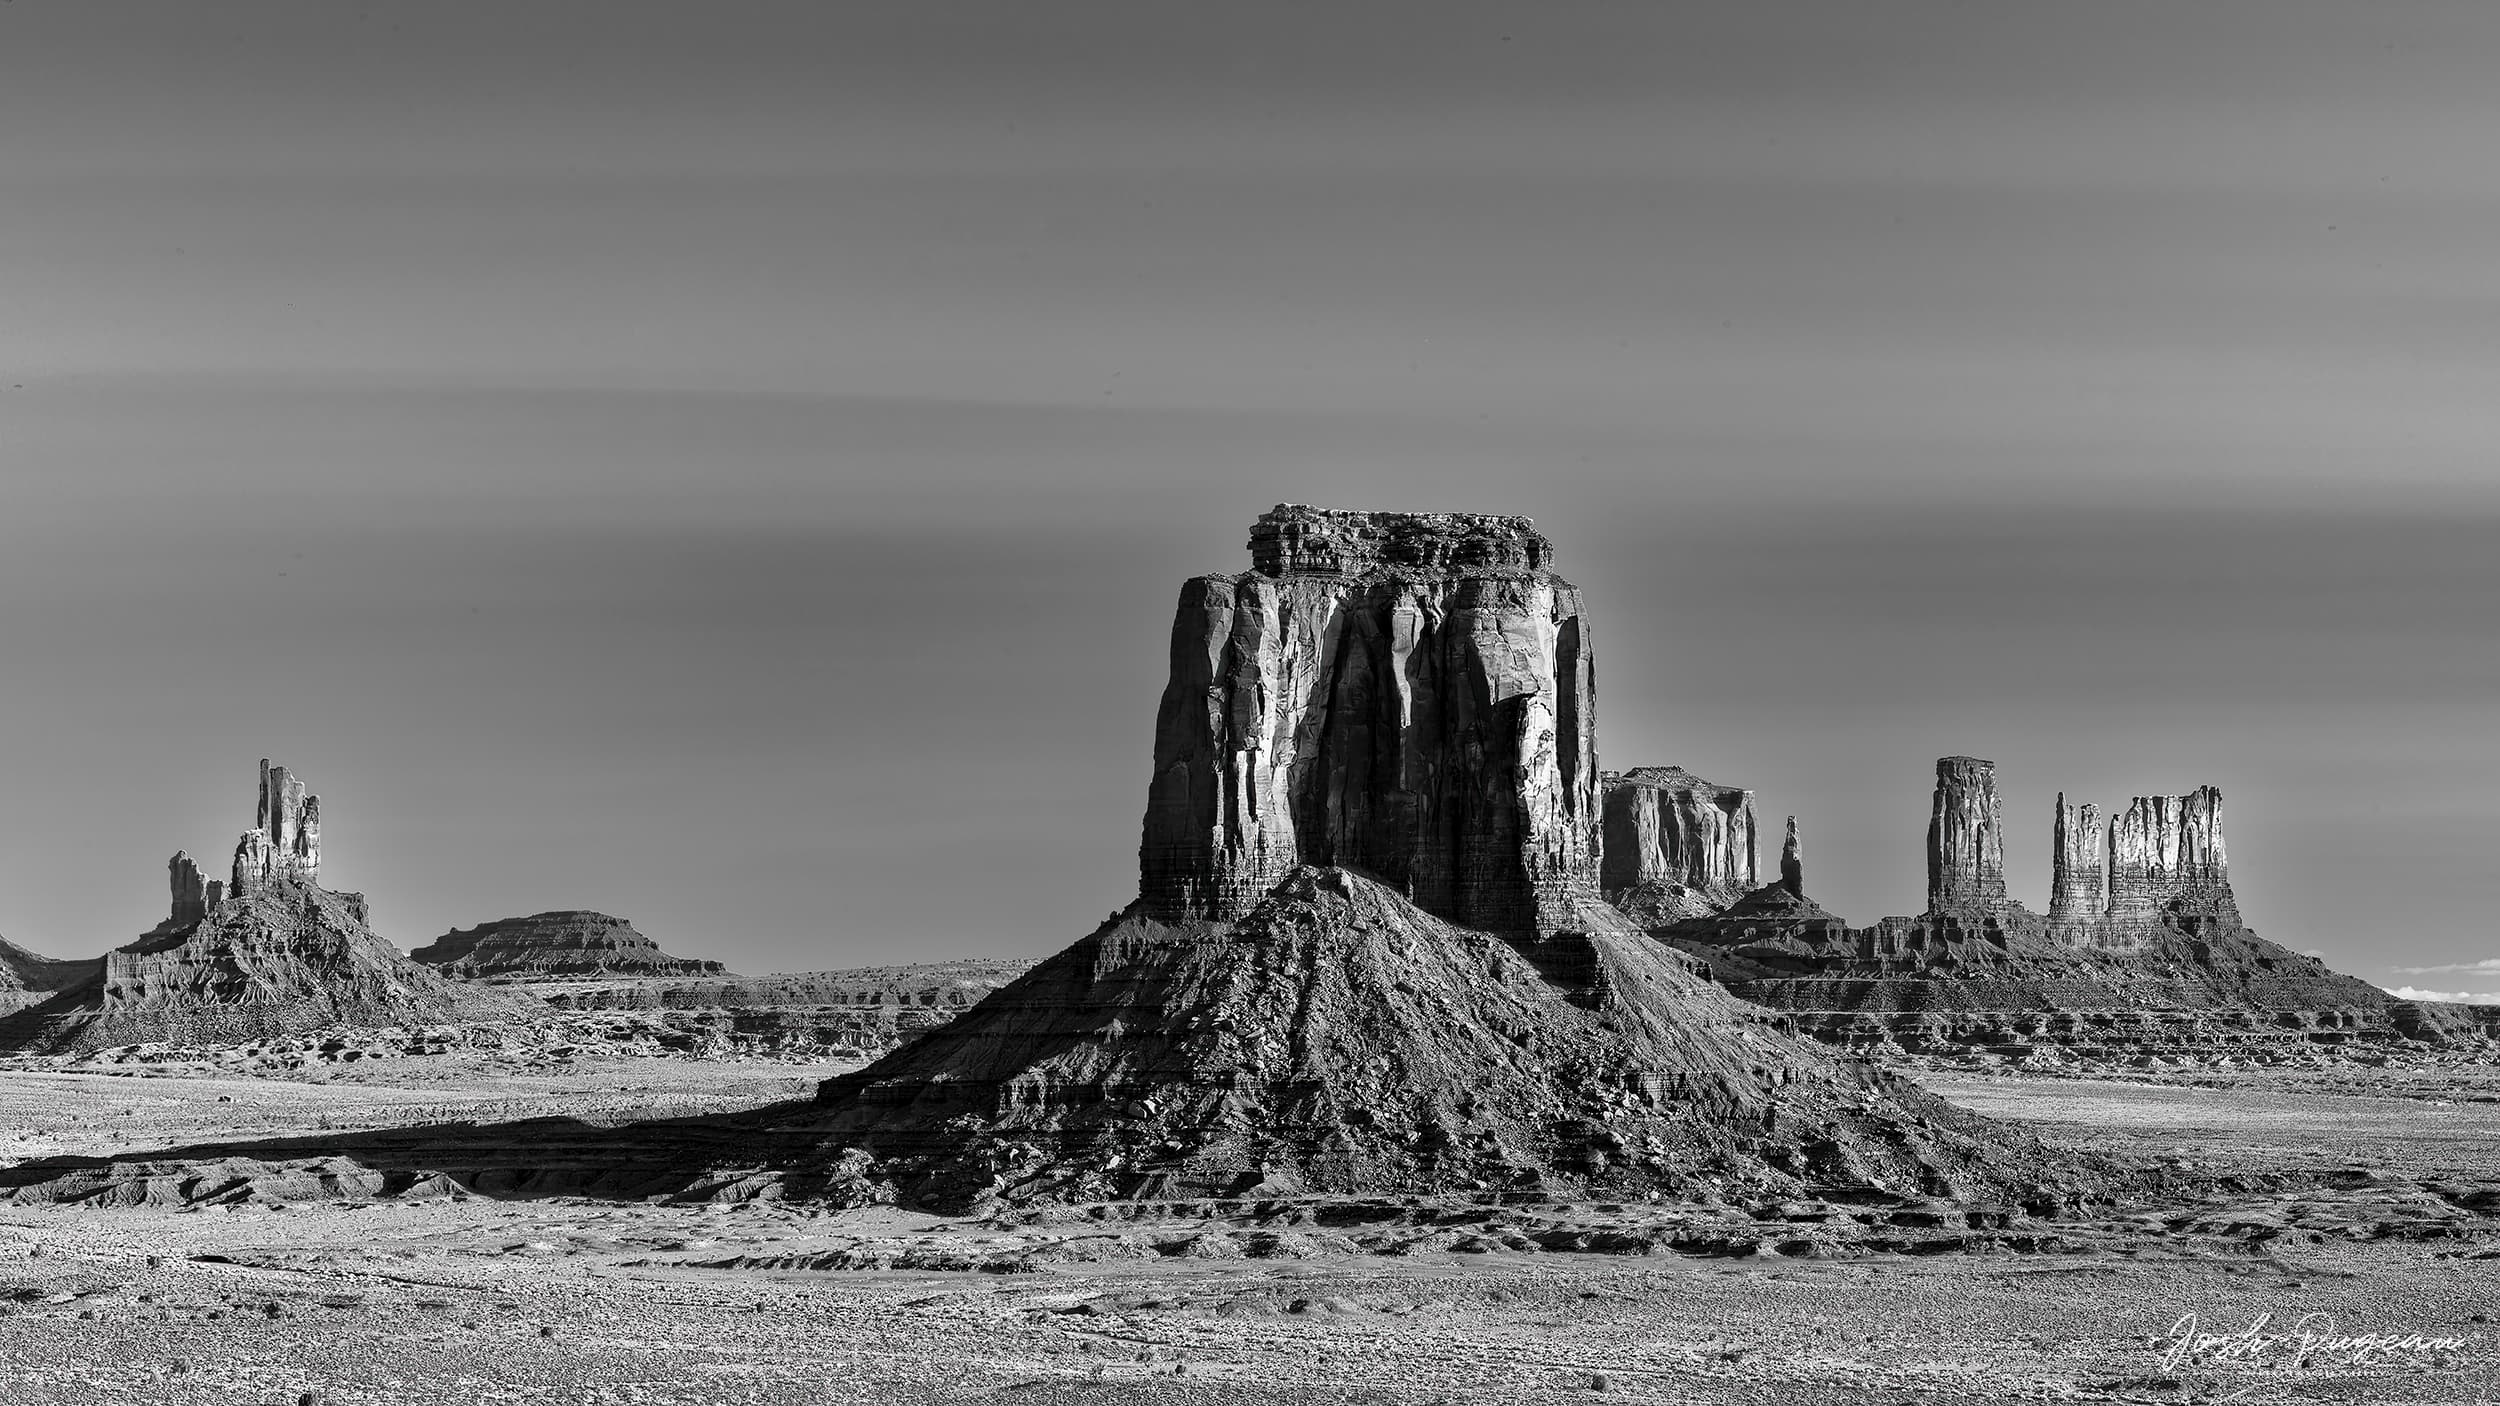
(2310, 1340)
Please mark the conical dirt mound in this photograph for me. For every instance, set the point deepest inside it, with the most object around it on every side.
(1339, 1039)
(287, 959)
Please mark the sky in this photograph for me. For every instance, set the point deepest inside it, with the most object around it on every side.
(732, 465)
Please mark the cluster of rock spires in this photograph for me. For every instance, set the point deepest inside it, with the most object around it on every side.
(2143, 951)
(1368, 954)
(268, 952)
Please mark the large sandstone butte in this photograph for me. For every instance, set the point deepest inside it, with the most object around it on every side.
(1366, 958)
(567, 945)
(266, 952)
(2142, 953)
(1408, 694)
(1676, 846)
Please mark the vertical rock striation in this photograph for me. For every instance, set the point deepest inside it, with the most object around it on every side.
(2167, 864)
(192, 898)
(1676, 846)
(1407, 694)
(1965, 839)
(284, 843)
(2078, 874)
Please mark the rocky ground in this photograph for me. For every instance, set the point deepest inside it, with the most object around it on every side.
(2366, 1197)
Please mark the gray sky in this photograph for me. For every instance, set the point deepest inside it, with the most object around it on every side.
(732, 465)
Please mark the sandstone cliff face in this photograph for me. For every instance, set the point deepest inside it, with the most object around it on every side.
(1409, 694)
(1965, 839)
(1676, 846)
(552, 946)
(274, 954)
(2079, 880)
(284, 843)
(2167, 863)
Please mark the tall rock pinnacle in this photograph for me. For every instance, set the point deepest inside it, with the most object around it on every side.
(2078, 882)
(1792, 863)
(1676, 846)
(284, 844)
(1965, 841)
(1409, 694)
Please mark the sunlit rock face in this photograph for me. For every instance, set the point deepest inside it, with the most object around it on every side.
(2079, 871)
(1676, 846)
(1406, 694)
(1965, 839)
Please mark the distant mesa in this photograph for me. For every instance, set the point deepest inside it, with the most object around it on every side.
(266, 952)
(1368, 954)
(559, 946)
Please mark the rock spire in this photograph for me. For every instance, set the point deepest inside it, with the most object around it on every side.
(1408, 694)
(284, 843)
(274, 953)
(1965, 840)
(2079, 879)
(1792, 863)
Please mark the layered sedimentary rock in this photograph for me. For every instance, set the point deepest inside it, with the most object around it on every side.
(273, 954)
(2160, 965)
(1365, 958)
(1407, 694)
(1676, 846)
(555, 946)
(858, 1011)
(1965, 839)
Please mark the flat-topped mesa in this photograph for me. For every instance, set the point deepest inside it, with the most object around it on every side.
(2167, 864)
(1298, 540)
(284, 845)
(1676, 846)
(1406, 694)
(1965, 839)
(2078, 875)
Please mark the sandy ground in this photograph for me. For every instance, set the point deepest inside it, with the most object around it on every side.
(472, 1299)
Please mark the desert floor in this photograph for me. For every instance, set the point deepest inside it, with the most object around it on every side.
(475, 1299)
